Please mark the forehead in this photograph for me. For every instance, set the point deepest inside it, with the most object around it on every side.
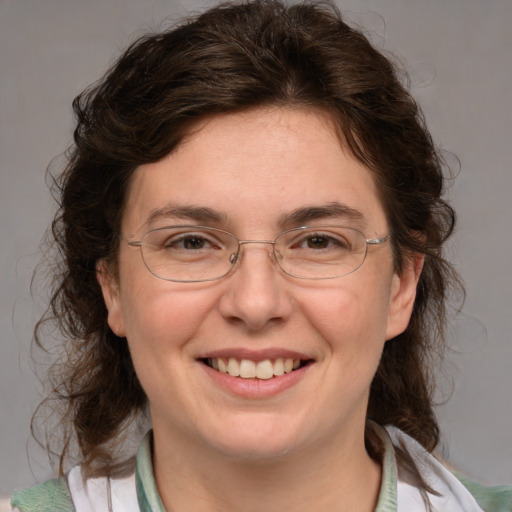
(254, 168)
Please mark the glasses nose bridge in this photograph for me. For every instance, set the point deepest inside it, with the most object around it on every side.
(272, 243)
(244, 242)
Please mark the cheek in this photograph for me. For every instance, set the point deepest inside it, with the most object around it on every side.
(351, 319)
(160, 318)
(163, 316)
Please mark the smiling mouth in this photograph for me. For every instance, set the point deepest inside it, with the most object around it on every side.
(247, 369)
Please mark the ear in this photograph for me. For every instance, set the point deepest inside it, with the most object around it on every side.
(110, 289)
(403, 295)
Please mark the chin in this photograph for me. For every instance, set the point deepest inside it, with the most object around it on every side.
(261, 442)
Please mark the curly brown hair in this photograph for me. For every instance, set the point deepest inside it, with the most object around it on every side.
(234, 57)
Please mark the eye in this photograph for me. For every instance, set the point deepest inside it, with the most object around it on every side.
(189, 242)
(321, 241)
(318, 242)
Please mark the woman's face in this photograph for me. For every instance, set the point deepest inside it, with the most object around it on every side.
(252, 174)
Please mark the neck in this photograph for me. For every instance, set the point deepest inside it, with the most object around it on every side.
(333, 475)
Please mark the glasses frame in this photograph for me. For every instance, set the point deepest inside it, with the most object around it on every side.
(236, 256)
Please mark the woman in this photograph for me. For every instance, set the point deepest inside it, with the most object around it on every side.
(252, 227)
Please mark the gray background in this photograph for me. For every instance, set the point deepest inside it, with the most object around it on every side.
(458, 53)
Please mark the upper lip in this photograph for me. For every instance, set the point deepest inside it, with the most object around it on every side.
(255, 355)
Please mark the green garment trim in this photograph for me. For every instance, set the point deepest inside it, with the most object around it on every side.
(147, 493)
(387, 501)
(492, 499)
(51, 496)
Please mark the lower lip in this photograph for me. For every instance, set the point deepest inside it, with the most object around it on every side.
(256, 388)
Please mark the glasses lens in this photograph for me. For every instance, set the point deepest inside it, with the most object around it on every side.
(189, 253)
(321, 252)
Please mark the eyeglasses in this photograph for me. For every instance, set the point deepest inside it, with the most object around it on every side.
(198, 253)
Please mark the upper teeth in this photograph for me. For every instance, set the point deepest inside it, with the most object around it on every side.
(248, 369)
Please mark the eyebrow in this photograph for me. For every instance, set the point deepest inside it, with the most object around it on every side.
(298, 217)
(304, 215)
(195, 213)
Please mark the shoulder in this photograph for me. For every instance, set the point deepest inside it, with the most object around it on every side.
(452, 487)
(496, 498)
(51, 496)
(74, 493)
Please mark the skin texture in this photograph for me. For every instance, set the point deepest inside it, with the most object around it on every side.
(226, 444)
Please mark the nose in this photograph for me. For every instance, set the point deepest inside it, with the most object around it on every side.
(256, 294)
